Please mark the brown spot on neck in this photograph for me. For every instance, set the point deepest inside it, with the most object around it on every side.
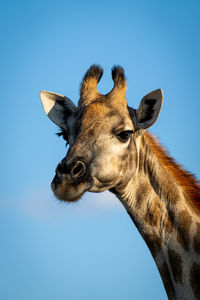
(153, 242)
(195, 280)
(142, 194)
(170, 219)
(175, 265)
(153, 213)
(183, 228)
(196, 243)
(167, 280)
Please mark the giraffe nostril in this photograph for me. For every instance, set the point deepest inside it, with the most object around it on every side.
(78, 170)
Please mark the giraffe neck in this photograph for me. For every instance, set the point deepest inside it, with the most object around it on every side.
(168, 222)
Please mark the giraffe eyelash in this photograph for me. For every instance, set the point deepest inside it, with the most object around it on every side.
(63, 135)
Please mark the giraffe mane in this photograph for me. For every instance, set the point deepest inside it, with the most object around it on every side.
(186, 180)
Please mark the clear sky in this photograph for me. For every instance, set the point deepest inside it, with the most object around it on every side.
(89, 250)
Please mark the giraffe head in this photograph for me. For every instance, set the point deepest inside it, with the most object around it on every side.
(101, 132)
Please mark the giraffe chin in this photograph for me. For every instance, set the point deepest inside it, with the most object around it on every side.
(68, 192)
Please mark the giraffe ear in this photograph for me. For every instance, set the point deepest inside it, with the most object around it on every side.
(57, 107)
(149, 109)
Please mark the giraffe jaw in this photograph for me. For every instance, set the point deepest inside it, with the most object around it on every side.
(68, 191)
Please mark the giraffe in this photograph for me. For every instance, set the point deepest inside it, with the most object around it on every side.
(110, 148)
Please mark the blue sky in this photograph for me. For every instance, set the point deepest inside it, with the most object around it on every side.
(89, 250)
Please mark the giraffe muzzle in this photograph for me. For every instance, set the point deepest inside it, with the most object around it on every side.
(71, 180)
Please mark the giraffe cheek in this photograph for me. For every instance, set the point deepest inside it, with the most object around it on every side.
(105, 171)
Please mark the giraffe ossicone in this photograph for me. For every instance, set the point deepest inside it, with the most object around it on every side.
(111, 149)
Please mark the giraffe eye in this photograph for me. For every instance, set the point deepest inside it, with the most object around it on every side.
(123, 136)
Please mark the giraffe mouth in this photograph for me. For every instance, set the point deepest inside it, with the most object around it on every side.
(67, 190)
(72, 180)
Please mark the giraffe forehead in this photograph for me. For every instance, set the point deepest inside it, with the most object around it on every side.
(104, 114)
(97, 110)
